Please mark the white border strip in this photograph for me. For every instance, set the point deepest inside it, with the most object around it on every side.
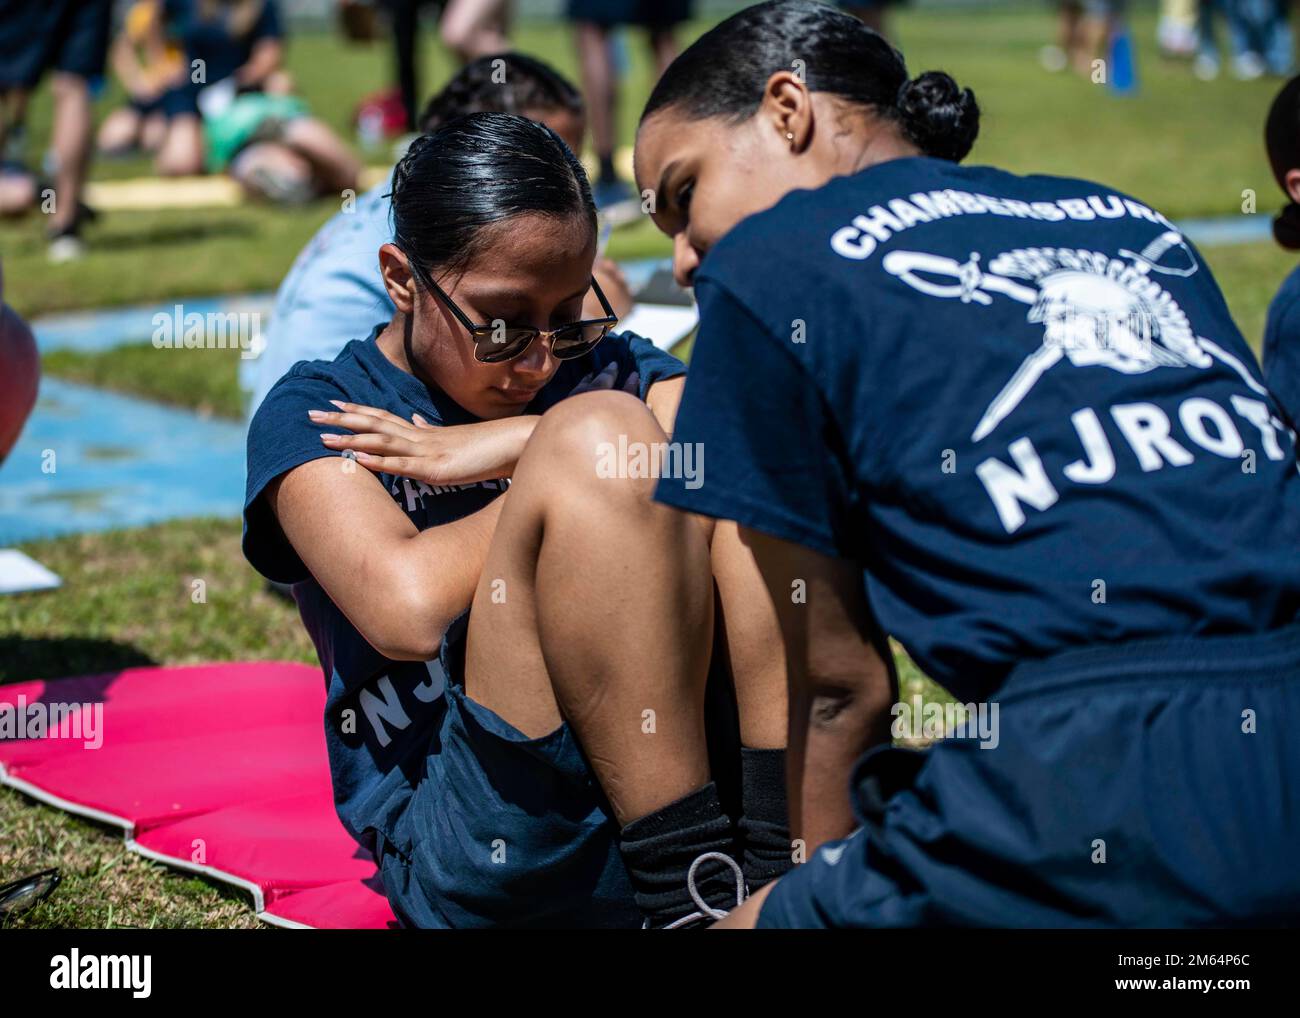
(128, 832)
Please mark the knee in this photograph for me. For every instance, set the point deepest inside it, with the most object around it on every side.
(456, 37)
(600, 437)
(69, 88)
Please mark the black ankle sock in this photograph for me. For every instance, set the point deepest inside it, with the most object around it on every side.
(607, 171)
(658, 850)
(764, 819)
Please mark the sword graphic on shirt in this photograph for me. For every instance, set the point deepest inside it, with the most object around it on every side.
(1095, 310)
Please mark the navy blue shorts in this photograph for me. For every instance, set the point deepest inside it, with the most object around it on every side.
(1149, 784)
(504, 830)
(61, 35)
(643, 13)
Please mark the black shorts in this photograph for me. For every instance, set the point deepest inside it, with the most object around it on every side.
(643, 13)
(60, 35)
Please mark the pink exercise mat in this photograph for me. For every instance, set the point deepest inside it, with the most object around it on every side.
(216, 769)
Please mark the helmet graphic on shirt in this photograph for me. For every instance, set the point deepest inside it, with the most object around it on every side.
(1096, 311)
(1094, 320)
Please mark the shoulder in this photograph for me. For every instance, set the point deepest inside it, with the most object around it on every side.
(281, 434)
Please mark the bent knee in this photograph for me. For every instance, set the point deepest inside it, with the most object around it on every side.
(599, 436)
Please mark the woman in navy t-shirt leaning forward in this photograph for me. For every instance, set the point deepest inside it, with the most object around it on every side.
(516, 638)
(1010, 420)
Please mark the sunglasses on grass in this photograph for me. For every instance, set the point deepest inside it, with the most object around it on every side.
(494, 344)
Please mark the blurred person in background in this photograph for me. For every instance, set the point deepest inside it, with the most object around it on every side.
(1259, 37)
(594, 24)
(1084, 33)
(148, 65)
(70, 39)
(335, 292)
(469, 28)
(235, 112)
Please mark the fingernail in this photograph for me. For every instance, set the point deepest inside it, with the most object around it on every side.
(327, 439)
(418, 419)
(316, 415)
(338, 403)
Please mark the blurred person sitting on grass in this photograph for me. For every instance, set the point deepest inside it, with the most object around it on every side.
(147, 64)
(21, 375)
(498, 607)
(235, 112)
(335, 291)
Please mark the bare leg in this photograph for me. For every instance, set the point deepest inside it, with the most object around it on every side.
(152, 132)
(475, 28)
(598, 84)
(751, 637)
(332, 162)
(663, 43)
(181, 151)
(120, 132)
(70, 143)
(275, 173)
(603, 610)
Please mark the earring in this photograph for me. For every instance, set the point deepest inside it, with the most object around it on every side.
(789, 136)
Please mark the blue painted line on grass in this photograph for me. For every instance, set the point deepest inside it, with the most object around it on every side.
(118, 462)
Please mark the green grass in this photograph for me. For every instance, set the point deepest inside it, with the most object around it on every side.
(1188, 147)
(126, 601)
(104, 886)
(202, 380)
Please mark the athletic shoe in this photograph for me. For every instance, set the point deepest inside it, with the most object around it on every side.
(65, 247)
(1053, 59)
(1247, 67)
(1206, 68)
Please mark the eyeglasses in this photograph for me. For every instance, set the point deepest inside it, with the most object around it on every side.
(496, 343)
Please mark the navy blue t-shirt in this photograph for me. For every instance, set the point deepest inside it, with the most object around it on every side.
(1282, 345)
(397, 705)
(1019, 402)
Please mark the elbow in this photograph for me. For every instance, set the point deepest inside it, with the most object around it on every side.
(409, 628)
(849, 700)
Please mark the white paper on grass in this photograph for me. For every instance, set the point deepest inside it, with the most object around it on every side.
(665, 325)
(19, 573)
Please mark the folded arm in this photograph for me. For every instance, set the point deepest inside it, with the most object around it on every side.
(401, 587)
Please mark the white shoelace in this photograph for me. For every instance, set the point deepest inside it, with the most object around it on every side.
(707, 911)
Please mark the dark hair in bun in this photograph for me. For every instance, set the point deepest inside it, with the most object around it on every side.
(1282, 136)
(723, 73)
(941, 119)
